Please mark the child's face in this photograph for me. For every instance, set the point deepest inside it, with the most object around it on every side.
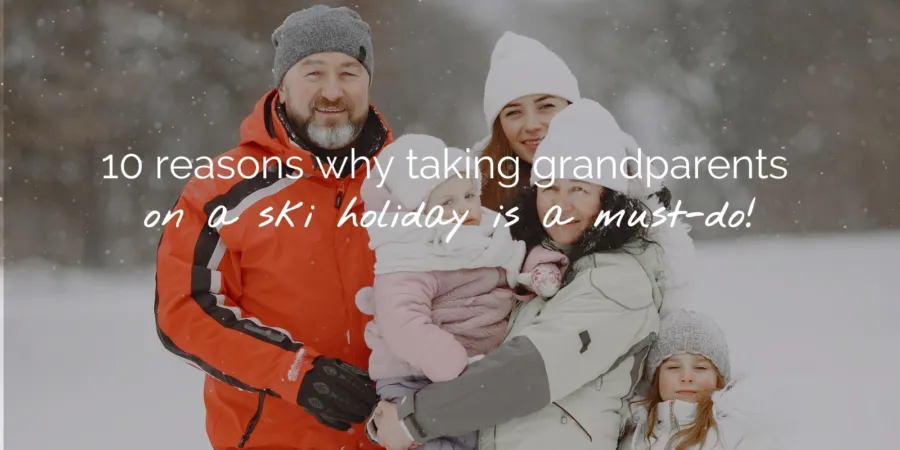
(682, 376)
(457, 195)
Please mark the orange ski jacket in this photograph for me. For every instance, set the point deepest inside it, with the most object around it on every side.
(251, 305)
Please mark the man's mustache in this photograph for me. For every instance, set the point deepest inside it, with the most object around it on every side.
(323, 103)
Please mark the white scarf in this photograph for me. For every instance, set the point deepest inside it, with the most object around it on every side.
(422, 248)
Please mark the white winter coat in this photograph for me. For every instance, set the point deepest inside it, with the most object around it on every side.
(613, 297)
(736, 427)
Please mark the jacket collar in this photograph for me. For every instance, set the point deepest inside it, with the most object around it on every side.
(370, 140)
(667, 256)
(728, 401)
(553, 245)
(675, 414)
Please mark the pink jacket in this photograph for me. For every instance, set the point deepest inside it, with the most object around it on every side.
(430, 323)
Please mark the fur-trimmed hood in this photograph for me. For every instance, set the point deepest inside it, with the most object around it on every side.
(678, 261)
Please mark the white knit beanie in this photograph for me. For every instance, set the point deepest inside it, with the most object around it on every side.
(407, 179)
(523, 66)
(686, 331)
(585, 143)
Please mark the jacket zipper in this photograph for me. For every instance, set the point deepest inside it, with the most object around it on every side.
(338, 200)
(253, 420)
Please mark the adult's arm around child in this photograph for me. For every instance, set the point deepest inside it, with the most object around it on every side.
(600, 319)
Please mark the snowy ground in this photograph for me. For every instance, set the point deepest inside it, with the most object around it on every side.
(815, 321)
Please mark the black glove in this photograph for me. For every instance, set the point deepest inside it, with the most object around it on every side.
(336, 393)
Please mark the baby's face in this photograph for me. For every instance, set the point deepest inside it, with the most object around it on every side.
(457, 195)
(683, 376)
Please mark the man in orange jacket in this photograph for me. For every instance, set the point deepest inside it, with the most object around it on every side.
(265, 307)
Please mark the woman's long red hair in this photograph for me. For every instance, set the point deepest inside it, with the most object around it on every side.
(492, 194)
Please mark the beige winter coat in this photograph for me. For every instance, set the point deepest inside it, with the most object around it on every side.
(615, 300)
(565, 370)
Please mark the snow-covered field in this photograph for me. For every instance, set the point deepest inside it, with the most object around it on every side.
(815, 322)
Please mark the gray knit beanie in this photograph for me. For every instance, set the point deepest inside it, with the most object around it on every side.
(320, 29)
(684, 331)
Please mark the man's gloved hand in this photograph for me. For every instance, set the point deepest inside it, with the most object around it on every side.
(336, 393)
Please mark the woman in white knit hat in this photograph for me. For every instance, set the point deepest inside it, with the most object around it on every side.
(693, 403)
(569, 361)
(526, 86)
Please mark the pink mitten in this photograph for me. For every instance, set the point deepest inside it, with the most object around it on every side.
(540, 255)
(544, 280)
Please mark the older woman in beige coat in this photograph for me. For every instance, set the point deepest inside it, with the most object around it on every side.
(568, 363)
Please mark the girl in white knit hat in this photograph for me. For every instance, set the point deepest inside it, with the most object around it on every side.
(439, 300)
(526, 86)
(693, 403)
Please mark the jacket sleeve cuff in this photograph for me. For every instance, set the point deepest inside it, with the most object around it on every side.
(371, 429)
(406, 412)
(287, 379)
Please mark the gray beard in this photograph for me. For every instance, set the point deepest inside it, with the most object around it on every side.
(329, 138)
(332, 137)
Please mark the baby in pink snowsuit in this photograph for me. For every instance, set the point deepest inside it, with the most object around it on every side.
(440, 300)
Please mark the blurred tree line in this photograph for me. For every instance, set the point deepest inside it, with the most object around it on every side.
(815, 81)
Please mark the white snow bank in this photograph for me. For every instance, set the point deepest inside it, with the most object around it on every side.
(814, 321)
(815, 324)
(85, 369)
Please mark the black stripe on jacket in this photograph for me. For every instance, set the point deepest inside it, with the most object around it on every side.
(201, 280)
